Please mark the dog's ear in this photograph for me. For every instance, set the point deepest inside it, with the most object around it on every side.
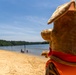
(46, 34)
(61, 10)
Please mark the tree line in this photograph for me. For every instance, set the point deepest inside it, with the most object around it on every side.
(14, 43)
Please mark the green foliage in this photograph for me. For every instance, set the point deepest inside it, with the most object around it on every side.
(13, 43)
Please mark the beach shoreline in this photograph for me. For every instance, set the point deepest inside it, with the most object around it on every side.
(15, 63)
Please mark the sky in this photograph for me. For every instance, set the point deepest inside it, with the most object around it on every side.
(23, 20)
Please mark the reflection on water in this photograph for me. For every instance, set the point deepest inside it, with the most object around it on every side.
(32, 49)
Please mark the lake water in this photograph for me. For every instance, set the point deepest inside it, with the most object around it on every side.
(32, 49)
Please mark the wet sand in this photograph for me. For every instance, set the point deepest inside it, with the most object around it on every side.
(13, 63)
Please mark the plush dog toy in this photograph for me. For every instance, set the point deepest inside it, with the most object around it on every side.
(62, 40)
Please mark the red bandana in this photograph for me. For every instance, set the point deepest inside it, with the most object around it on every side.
(63, 56)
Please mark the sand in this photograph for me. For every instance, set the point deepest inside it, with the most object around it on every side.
(13, 63)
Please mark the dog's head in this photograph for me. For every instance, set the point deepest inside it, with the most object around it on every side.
(63, 35)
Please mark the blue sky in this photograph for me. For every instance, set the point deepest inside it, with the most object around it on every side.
(23, 20)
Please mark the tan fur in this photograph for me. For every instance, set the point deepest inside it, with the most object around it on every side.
(46, 34)
(64, 33)
(62, 38)
(45, 53)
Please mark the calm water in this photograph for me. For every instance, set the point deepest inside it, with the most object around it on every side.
(32, 49)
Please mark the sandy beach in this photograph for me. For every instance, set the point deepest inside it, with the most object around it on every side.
(13, 63)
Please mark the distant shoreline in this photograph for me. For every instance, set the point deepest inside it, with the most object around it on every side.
(15, 43)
